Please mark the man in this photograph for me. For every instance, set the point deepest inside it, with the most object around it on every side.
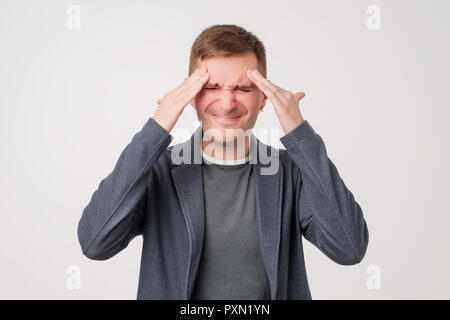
(224, 227)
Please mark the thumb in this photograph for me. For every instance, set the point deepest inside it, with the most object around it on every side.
(299, 95)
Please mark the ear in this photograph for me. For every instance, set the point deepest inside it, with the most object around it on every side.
(263, 103)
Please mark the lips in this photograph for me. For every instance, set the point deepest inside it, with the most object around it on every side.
(226, 119)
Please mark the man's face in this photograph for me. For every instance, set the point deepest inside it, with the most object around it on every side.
(229, 100)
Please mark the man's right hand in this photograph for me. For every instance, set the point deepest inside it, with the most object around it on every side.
(173, 103)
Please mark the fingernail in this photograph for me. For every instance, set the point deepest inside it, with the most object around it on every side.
(205, 76)
(202, 69)
(254, 73)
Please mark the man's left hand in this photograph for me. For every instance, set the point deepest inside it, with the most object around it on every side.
(285, 102)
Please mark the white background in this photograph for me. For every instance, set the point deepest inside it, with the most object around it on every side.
(71, 100)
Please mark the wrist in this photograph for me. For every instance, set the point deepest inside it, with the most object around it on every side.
(162, 121)
(290, 124)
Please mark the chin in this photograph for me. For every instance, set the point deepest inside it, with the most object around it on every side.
(225, 133)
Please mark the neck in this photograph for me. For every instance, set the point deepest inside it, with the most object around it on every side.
(237, 149)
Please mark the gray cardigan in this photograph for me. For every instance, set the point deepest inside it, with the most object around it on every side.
(151, 193)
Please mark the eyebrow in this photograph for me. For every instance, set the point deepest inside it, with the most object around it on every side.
(239, 86)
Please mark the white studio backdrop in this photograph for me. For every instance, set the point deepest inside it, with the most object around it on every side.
(79, 78)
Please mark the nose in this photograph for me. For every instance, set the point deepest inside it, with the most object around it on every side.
(227, 99)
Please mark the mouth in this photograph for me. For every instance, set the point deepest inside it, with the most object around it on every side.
(226, 119)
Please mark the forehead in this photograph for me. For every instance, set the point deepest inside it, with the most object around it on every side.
(229, 71)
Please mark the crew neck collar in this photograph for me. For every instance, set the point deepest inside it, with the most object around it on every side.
(228, 162)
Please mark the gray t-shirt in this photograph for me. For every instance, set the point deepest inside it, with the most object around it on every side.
(231, 265)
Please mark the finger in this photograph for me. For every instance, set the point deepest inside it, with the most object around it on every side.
(197, 74)
(194, 88)
(299, 96)
(193, 78)
(270, 93)
(259, 77)
(197, 83)
(187, 83)
(200, 82)
(283, 95)
(259, 80)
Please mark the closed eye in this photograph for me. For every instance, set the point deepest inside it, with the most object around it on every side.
(244, 90)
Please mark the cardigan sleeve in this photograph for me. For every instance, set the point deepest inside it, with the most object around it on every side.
(115, 212)
(330, 218)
